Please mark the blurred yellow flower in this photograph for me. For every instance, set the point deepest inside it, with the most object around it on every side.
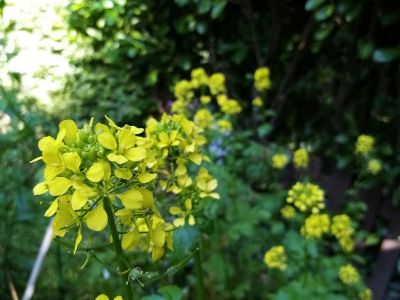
(257, 101)
(365, 144)
(348, 275)
(300, 158)
(275, 258)
(279, 161)
(262, 81)
(374, 166)
(306, 197)
(315, 226)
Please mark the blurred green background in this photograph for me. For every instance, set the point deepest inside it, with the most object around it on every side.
(335, 74)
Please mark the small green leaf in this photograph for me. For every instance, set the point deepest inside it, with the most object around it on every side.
(385, 55)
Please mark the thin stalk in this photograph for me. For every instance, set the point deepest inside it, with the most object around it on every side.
(117, 245)
(199, 276)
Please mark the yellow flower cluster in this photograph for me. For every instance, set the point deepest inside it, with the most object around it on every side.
(365, 144)
(315, 226)
(194, 97)
(279, 161)
(105, 171)
(343, 230)
(258, 101)
(306, 197)
(275, 258)
(374, 166)
(365, 294)
(348, 274)
(288, 212)
(262, 80)
(300, 158)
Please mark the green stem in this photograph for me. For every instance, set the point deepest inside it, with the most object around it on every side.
(123, 265)
(199, 276)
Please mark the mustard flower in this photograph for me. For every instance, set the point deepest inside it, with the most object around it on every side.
(224, 126)
(343, 230)
(216, 83)
(203, 118)
(365, 294)
(300, 158)
(105, 297)
(288, 212)
(262, 81)
(257, 101)
(205, 99)
(185, 215)
(199, 77)
(184, 90)
(374, 166)
(348, 275)
(275, 258)
(279, 161)
(231, 107)
(315, 226)
(306, 197)
(365, 144)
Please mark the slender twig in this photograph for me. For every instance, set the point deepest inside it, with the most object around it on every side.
(123, 265)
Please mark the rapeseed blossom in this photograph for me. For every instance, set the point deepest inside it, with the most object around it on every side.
(257, 101)
(315, 226)
(365, 144)
(374, 166)
(262, 81)
(279, 161)
(99, 165)
(306, 197)
(300, 158)
(365, 294)
(275, 258)
(105, 297)
(216, 83)
(348, 275)
(288, 212)
(343, 230)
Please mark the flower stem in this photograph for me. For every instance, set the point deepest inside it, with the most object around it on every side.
(199, 276)
(117, 245)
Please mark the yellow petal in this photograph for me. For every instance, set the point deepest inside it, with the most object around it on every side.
(40, 188)
(111, 122)
(71, 130)
(72, 161)
(50, 172)
(180, 170)
(79, 199)
(51, 157)
(130, 240)
(188, 204)
(196, 158)
(174, 210)
(97, 218)
(212, 185)
(157, 253)
(107, 169)
(158, 236)
(59, 185)
(146, 177)
(102, 297)
(52, 209)
(179, 222)
(35, 159)
(119, 159)
(118, 298)
(136, 130)
(107, 140)
(148, 199)
(96, 172)
(192, 221)
(136, 154)
(123, 173)
(78, 239)
(126, 139)
(131, 199)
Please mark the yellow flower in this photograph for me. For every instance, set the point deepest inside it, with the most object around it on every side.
(203, 118)
(343, 230)
(374, 166)
(231, 107)
(279, 161)
(185, 214)
(205, 99)
(184, 90)
(199, 77)
(224, 126)
(365, 294)
(306, 197)
(262, 81)
(348, 275)
(300, 158)
(257, 101)
(315, 226)
(365, 144)
(206, 184)
(288, 212)
(275, 258)
(216, 83)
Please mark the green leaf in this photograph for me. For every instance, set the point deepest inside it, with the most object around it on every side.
(324, 12)
(313, 4)
(171, 292)
(217, 9)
